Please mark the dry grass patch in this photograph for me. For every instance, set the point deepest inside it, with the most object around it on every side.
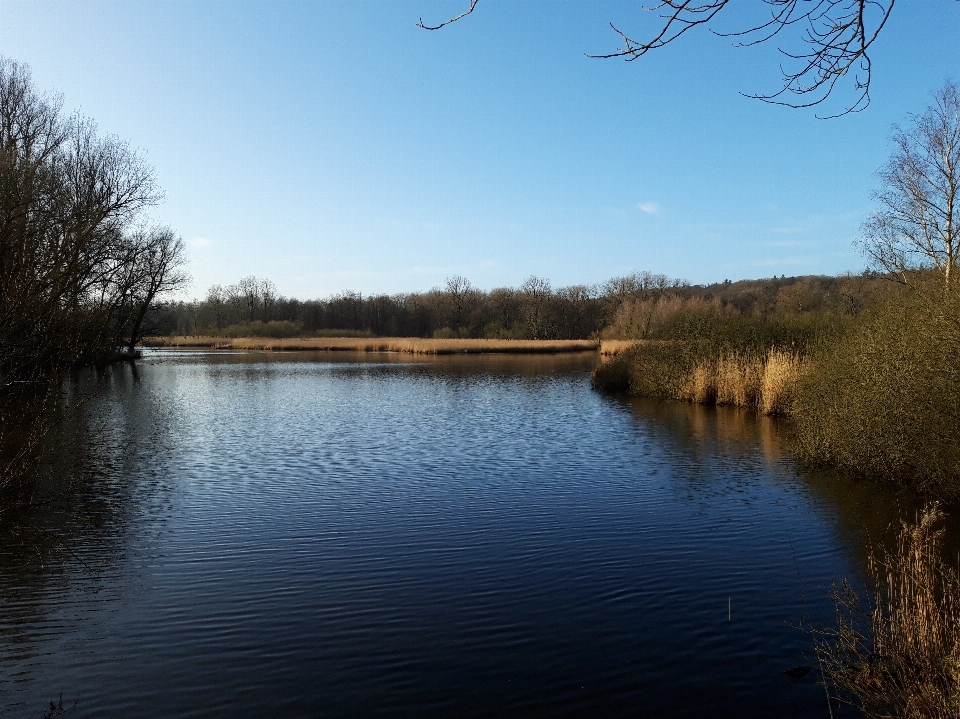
(739, 379)
(614, 347)
(700, 386)
(412, 345)
(781, 375)
(900, 658)
(766, 384)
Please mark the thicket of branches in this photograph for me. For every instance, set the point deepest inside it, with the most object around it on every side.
(827, 41)
(80, 266)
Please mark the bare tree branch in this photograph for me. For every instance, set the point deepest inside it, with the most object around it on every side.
(473, 4)
(837, 35)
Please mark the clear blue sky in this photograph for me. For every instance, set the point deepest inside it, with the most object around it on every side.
(335, 145)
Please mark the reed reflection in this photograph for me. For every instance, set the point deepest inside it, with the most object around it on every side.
(866, 515)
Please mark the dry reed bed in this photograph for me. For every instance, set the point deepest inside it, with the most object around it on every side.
(410, 345)
(898, 655)
(614, 348)
(609, 348)
(765, 383)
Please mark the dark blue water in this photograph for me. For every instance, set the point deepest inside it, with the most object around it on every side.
(306, 535)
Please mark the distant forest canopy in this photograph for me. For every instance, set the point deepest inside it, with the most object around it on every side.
(639, 305)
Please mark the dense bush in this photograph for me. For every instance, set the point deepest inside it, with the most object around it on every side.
(884, 400)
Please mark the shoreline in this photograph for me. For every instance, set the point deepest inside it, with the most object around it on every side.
(408, 345)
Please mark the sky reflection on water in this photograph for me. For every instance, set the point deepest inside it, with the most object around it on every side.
(330, 535)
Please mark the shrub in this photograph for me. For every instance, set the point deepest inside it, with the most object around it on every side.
(613, 374)
(885, 399)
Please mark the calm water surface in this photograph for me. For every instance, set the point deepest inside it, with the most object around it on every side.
(310, 535)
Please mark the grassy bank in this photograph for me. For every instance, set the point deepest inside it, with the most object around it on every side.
(411, 345)
(874, 393)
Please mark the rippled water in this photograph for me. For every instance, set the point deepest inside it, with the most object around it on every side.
(304, 535)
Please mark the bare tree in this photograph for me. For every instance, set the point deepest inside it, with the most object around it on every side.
(536, 292)
(577, 299)
(835, 37)
(74, 279)
(67, 198)
(917, 223)
(160, 271)
(461, 292)
(216, 298)
(268, 296)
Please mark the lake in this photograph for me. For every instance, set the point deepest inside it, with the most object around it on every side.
(339, 535)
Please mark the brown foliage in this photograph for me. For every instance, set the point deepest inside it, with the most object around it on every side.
(412, 345)
(900, 657)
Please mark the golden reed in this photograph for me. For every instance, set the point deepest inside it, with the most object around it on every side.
(899, 654)
(412, 345)
(767, 384)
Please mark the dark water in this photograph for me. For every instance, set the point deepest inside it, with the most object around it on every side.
(306, 535)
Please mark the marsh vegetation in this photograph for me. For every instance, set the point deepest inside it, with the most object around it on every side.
(896, 652)
(408, 345)
(870, 384)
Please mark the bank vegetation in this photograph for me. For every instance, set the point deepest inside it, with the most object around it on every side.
(867, 367)
(406, 345)
(867, 372)
(81, 264)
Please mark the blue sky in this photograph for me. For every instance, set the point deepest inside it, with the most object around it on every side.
(335, 145)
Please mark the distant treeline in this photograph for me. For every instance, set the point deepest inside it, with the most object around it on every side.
(535, 310)
(641, 305)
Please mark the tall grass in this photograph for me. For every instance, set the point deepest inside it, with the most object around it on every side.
(781, 378)
(699, 385)
(900, 655)
(412, 345)
(739, 379)
(699, 373)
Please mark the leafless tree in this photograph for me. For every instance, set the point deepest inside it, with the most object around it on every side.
(160, 270)
(460, 292)
(834, 38)
(917, 223)
(536, 293)
(577, 299)
(67, 199)
(76, 278)
(216, 298)
(505, 304)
